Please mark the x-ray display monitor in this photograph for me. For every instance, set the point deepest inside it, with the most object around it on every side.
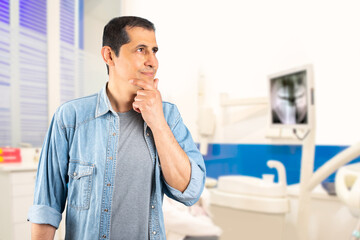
(289, 99)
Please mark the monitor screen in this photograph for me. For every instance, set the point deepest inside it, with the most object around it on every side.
(289, 100)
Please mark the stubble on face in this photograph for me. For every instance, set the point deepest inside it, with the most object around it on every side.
(137, 58)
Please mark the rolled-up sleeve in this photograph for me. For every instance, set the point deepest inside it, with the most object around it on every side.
(198, 173)
(51, 189)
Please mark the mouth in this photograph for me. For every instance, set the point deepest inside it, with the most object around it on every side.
(148, 74)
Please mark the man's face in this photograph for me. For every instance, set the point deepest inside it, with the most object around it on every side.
(137, 59)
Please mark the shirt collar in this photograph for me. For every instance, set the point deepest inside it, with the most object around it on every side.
(103, 103)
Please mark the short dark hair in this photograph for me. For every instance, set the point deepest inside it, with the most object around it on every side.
(115, 34)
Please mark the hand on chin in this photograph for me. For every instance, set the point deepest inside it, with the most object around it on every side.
(144, 78)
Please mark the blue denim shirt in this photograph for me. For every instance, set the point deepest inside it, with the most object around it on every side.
(77, 165)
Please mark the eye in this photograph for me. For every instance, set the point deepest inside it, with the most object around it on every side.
(140, 49)
(155, 50)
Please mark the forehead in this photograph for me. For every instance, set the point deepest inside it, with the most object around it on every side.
(141, 35)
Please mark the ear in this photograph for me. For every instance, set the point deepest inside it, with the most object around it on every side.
(106, 54)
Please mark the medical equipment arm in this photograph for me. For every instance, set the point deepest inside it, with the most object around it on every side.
(333, 164)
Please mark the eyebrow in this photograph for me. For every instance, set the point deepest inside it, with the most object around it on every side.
(145, 46)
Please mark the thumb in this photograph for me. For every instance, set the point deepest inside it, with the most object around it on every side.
(156, 83)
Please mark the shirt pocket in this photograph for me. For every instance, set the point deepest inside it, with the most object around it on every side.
(80, 184)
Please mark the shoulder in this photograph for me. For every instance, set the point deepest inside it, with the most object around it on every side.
(76, 111)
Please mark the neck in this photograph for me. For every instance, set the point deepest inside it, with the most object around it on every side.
(120, 96)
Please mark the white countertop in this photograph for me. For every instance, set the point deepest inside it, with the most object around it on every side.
(17, 167)
(29, 161)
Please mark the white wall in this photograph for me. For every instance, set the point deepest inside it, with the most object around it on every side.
(97, 13)
(236, 44)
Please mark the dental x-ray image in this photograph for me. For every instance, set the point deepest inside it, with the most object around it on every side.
(288, 99)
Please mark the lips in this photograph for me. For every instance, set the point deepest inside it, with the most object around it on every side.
(149, 74)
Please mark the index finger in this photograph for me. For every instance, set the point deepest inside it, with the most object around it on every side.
(142, 84)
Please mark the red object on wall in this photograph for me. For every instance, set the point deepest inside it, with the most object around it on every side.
(10, 155)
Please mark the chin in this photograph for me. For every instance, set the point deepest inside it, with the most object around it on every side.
(147, 78)
(150, 79)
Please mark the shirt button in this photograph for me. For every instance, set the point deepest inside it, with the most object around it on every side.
(106, 210)
(114, 134)
(109, 184)
(154, 232)
(75, 173)
(103, 236)
(110, 158)
(152, 206)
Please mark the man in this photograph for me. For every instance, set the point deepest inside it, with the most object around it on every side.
(114, 154)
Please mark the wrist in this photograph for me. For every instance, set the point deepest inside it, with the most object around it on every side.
(160, 127)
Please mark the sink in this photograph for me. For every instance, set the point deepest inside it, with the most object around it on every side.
(252, 193)
(254, 186)
(251, 186)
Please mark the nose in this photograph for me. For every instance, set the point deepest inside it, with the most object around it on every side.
(151, 61)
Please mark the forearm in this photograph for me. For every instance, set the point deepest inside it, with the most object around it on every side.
(42, 232)
(174, 162)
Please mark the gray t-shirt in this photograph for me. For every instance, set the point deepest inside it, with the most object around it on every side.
(133, 181)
